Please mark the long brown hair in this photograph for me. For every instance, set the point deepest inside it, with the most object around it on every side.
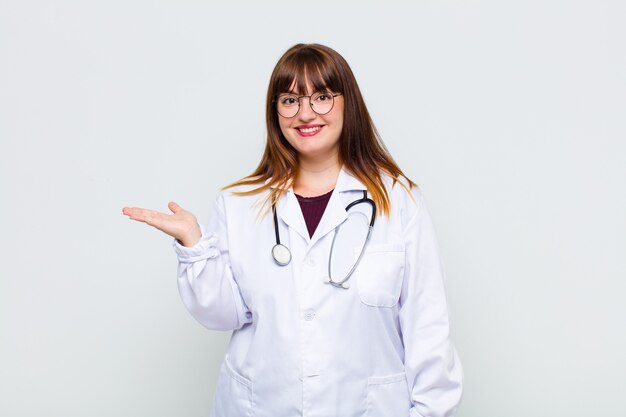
(361, 150)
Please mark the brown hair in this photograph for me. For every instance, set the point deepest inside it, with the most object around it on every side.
(361, 150)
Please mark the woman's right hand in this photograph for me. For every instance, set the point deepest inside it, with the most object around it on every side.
(181, 225)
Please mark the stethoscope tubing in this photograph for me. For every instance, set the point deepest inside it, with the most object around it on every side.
(344, 281)
(282, 254)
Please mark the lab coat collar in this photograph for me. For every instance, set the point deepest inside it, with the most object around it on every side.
(347, 182)
(335, 212)
(288, 208)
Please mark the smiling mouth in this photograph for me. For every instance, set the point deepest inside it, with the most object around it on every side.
(308, 130)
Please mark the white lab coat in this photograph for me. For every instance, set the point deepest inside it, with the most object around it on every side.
(300, 347)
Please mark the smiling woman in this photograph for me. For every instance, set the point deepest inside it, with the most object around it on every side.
(375, 342)
(312, 130)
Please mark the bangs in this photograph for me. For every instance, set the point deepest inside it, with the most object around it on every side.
(307, 66)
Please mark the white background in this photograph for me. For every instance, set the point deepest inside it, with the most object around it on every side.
(509, 115)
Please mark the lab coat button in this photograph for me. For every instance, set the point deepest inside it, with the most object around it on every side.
(310, 261)
(309, 315)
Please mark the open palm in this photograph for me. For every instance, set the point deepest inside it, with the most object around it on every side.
(181, 225)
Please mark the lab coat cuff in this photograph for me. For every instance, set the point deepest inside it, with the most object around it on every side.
(206, 248)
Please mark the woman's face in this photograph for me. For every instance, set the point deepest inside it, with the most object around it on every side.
(314, 136)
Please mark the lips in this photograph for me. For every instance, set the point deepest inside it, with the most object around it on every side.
(308, 130)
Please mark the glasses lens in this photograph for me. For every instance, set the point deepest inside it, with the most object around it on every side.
(287, 105)
(322, 102)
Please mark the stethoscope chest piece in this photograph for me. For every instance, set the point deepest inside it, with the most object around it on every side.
(281, 254)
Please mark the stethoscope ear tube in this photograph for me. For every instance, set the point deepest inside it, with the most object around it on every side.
(368, 201)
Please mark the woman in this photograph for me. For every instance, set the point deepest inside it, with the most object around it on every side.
(330, 317)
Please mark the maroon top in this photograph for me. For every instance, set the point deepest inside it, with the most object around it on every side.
(312, 209)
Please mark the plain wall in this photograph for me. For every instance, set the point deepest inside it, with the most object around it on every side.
(509, 115)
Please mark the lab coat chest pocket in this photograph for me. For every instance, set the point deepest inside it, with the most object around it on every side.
(234, 396)
(379, 274)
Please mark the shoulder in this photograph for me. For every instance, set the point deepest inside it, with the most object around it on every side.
(242, 193)
(239, 189)
(406, 199)
(401, 190)
(242, 200)
(251, 186)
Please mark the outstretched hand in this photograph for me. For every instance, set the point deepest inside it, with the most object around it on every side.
(181, 225)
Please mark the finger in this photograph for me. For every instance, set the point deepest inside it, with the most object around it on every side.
(129, 211)
(150, 217)
(134, 213)
(174, 207)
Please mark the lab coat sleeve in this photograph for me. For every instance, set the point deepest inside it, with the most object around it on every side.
(432, 366)
(205, 279)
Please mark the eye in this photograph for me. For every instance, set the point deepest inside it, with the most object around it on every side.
(288, 100)
(323, 97)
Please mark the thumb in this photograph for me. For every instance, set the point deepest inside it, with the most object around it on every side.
(174, 207)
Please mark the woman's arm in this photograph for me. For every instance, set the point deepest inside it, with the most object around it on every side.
(433, 369)
(205, 279)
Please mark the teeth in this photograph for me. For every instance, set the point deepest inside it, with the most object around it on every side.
(310, 129)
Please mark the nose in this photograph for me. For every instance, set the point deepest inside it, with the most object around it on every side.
(306, 113)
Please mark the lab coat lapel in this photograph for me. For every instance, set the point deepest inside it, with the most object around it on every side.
(334, 215)
(335, 212)
(288, 209)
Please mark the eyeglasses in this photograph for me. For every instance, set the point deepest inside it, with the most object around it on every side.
(288, 105)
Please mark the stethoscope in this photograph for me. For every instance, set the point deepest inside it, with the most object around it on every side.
(282, 254)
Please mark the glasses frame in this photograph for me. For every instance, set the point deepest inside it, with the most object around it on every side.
(333, 95)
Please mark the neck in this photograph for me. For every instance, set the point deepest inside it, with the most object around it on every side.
(316, 178)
